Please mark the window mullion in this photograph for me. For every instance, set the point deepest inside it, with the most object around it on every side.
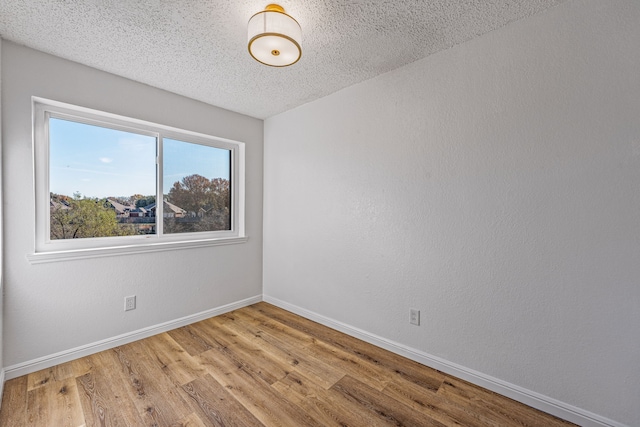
(159, 188)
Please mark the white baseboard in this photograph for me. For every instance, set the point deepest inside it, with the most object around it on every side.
(34, 365)
(531, 398)
(536, 400)
(1, 386)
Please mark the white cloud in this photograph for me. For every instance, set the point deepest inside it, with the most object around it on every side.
(106, 159)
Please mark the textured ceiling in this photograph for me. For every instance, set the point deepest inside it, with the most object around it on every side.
(197, 48)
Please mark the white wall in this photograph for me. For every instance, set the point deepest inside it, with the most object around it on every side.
(55, 307)
(494, 186)
(1, 241)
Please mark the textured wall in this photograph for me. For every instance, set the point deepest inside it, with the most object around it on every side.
(1, 230)
(494, 186)
(54, 307)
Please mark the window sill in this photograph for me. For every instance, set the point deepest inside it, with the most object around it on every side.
(44, 257)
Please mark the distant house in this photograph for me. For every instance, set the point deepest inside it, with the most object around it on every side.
(122, 211)
(138, 213)
(202, 212)
(169, 210)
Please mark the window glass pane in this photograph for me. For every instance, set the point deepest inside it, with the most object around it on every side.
(197, 187)
(101, 181)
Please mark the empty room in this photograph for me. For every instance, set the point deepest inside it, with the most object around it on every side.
(322, 213)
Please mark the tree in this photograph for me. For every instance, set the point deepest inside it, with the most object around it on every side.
(207, 201)
(133, 200)
(81, 218)
(145, 201)
(191, 194)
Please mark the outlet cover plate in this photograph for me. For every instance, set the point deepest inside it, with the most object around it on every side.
(415, 317)
(130, 303)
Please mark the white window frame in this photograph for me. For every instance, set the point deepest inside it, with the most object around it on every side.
(47, 249)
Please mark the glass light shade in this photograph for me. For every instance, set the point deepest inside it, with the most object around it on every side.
(274, 37)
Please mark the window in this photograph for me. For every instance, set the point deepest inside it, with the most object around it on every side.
(108, 184)
(198, 185)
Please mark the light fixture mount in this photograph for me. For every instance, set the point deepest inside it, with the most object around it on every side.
(274, 37)
(274, 8)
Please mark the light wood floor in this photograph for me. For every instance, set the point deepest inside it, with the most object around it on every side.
(256, 366)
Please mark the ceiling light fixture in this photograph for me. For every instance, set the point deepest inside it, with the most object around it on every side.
(274, 37)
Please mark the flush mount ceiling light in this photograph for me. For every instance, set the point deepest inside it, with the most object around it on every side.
(274, 37)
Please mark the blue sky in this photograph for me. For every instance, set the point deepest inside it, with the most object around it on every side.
(103, 162)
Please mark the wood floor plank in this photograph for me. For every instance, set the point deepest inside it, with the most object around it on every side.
(40, 378)
(46, 376)
(255, 366)
(81, 366)
(253, 393)
(165, 349)
(55, 404)
(243, 351)
(502, 410)
(413, 371)
(14, 402)
(326, 406)
(346, 361)
(193, 420)
(157, 398)
(118, 388)
(314, 329)
(190, 340)
(285, 346)
(217, 405)
(98, 408)
(172, 359)
(365, 361)
(388, 410)
(115, 389)
(432, 404)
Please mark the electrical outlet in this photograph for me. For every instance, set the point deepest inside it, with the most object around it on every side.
(130, 303)
(415, 317)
